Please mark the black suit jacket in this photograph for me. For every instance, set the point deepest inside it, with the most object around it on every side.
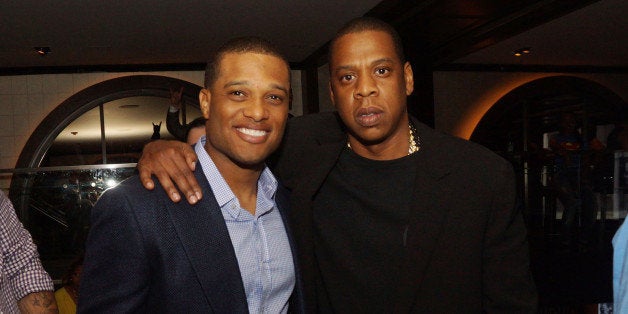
(146, 254)
(468, 250)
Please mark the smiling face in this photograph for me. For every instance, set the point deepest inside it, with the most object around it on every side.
(246, 108)
(369, 85)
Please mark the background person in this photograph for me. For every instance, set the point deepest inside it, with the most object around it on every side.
(24, 284)
(195, 130)
(574, 158)
(173, 123)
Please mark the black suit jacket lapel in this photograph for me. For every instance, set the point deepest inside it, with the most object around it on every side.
(325, 153)
(426, 221)
(205, 238)
(283, 204)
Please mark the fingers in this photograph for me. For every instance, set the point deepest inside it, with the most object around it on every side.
(172, 163)
(179, 173)
(188, 185)
(145, 176)
(175, 97)
(189, 155)
(164, 177)
(150, 164)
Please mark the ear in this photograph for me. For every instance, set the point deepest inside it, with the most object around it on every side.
(408, 76)
(204, 99)
(331, 94)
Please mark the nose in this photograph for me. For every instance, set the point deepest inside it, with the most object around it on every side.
(256, 110)
(365, 86)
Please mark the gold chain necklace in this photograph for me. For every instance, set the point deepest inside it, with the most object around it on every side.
(414, 141)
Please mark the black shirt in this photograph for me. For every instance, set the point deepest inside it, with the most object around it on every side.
(360, 224)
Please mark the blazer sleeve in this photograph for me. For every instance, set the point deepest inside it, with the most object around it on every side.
(115, 275)
(175, 127)
(508, 283)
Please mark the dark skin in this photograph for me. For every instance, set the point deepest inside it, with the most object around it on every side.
(42, 302)
(369, 88)
(367, 77)
(168, 153)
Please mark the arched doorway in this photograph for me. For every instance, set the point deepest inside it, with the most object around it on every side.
(78, 104)
(517, 127)
(60, 172)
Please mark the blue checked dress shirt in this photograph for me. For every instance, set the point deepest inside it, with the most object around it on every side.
(620, 269)
(260, 242)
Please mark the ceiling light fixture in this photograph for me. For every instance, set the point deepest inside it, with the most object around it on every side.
(43, 51)
(522, 51)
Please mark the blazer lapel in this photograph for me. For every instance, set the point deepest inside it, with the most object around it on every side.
(426, 222)
(326, 154)
(205, 238)
(283, 204)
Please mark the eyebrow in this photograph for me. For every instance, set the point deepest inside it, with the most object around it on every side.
(274, 86)
(349, 67)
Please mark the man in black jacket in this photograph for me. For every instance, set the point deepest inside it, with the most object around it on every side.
(389, 215)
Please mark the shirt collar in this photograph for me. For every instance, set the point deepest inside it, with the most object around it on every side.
(266, 185)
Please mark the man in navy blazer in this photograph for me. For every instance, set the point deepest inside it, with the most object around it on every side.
(389, 214)
(231, 252)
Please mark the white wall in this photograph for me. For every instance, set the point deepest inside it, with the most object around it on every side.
(461, 98)
(25, 100)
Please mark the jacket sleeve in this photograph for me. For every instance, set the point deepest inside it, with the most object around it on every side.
(175, 127)
(507, 279)
(115, 275)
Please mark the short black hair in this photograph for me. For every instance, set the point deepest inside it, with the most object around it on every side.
(363, 24)
(198, 122)
(240, 45)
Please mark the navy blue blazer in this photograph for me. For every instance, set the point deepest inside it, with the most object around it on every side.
(146, 254)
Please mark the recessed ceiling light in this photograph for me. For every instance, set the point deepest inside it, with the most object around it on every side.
(42, 51)
(522, 51)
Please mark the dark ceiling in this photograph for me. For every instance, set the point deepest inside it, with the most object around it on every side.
(102, 35)
(145, 34)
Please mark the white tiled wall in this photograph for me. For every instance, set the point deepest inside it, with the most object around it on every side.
(25, 100)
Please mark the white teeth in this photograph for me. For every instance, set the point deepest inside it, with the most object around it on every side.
(252, 132)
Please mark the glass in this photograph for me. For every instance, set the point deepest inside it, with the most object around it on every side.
(54, 201)
(56, 206)
(128, 126)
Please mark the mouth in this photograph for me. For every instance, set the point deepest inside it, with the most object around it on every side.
(254, 136)
(368, 117)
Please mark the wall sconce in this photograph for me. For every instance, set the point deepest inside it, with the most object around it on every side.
(43, 51)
